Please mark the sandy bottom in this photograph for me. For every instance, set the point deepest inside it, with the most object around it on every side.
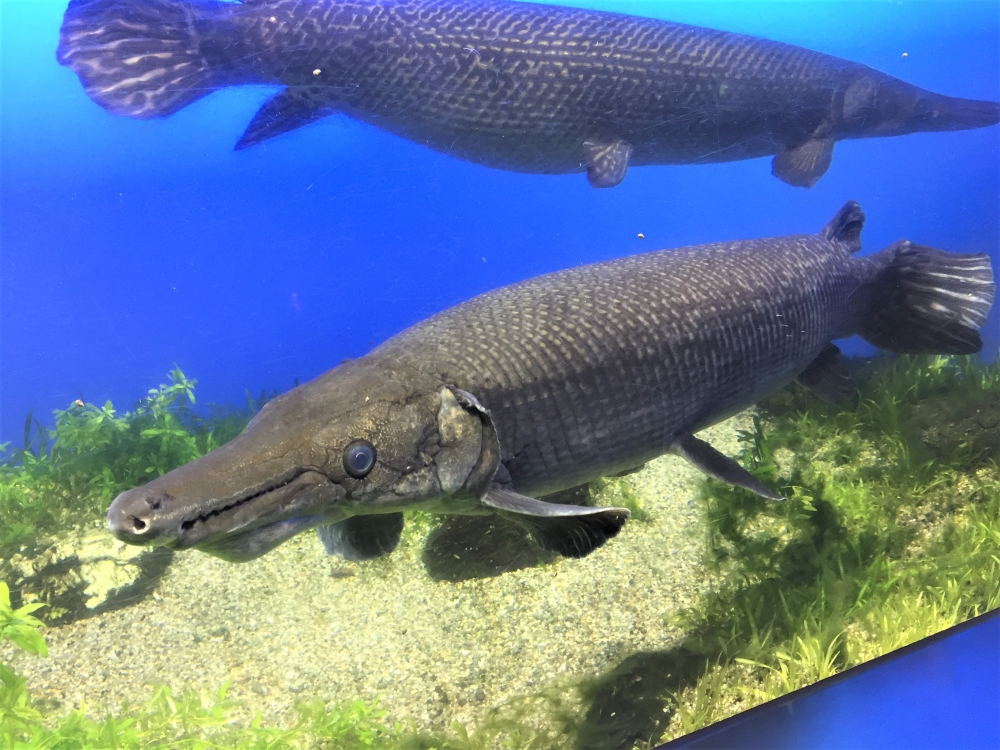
(298, 624)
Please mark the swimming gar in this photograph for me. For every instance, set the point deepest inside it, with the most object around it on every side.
(518, 86)
(556, 381)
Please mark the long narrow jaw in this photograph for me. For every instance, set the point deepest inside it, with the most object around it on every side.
(236, 526)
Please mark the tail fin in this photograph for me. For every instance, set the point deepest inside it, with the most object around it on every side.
(927, 301)
(142, 58)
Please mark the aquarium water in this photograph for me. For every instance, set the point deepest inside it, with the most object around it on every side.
(205, 206)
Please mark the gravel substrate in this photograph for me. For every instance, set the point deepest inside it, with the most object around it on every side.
(296, 623)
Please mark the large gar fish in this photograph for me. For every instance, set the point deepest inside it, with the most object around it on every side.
(554, 382)
(519, 86)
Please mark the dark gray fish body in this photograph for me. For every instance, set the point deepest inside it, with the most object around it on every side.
(597, 369)
(556, 381)
(519, 86)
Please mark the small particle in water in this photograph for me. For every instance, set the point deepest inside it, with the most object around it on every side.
(340, 571)
(78, 402)
(317, 72)
(906, 54)
(642, 236)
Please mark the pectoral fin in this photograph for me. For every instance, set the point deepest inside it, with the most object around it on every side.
(803, 165)
(708, 460)
(607, 162)
(570, 530)
(285, 111)
(362, 537)
(828, 377)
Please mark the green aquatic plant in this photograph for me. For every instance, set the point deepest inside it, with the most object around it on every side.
(619, 492)
(21, 628)
(72, 472)
(891, 532)
(193, 720)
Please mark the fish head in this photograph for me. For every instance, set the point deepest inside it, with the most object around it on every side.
(877, 105)
(364, 438)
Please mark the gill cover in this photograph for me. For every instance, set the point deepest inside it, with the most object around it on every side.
(466, 458)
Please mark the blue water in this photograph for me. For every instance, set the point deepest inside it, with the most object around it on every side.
(129, 246)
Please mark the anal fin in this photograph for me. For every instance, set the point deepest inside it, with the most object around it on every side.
(803, 165)
(287, 110)
(570, 530)
(607, 162)
(707, 459)
(828, 377)
(362, 537)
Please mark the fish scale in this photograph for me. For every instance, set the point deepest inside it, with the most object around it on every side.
(658, 345)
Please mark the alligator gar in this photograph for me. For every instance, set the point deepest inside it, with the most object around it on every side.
(513, 85)
(555, 381)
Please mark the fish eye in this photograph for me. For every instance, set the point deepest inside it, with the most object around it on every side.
(359, 458)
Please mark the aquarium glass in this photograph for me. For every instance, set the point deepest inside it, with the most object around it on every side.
(185, 241)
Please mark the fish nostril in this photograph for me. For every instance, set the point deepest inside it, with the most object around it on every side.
(132, 517)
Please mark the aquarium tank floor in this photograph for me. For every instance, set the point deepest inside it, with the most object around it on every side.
(710, 601)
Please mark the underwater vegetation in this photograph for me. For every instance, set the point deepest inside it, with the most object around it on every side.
(891, 532)
(73, 471)
(188, 720)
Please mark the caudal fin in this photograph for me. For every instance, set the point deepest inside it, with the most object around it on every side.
(927, 301)
(143, 58)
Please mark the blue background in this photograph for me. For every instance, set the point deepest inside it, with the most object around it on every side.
(128, 246)
(942, 692)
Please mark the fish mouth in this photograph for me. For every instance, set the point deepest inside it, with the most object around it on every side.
(234, 526)
(251, 543)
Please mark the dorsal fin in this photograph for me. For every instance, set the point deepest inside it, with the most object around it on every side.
(846, 226)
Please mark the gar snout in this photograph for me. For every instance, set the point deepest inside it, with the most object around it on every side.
(136, 517)
(235, 526)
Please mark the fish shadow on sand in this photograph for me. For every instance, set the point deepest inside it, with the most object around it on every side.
(77, 582)
(466, 547)
(629, 704)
